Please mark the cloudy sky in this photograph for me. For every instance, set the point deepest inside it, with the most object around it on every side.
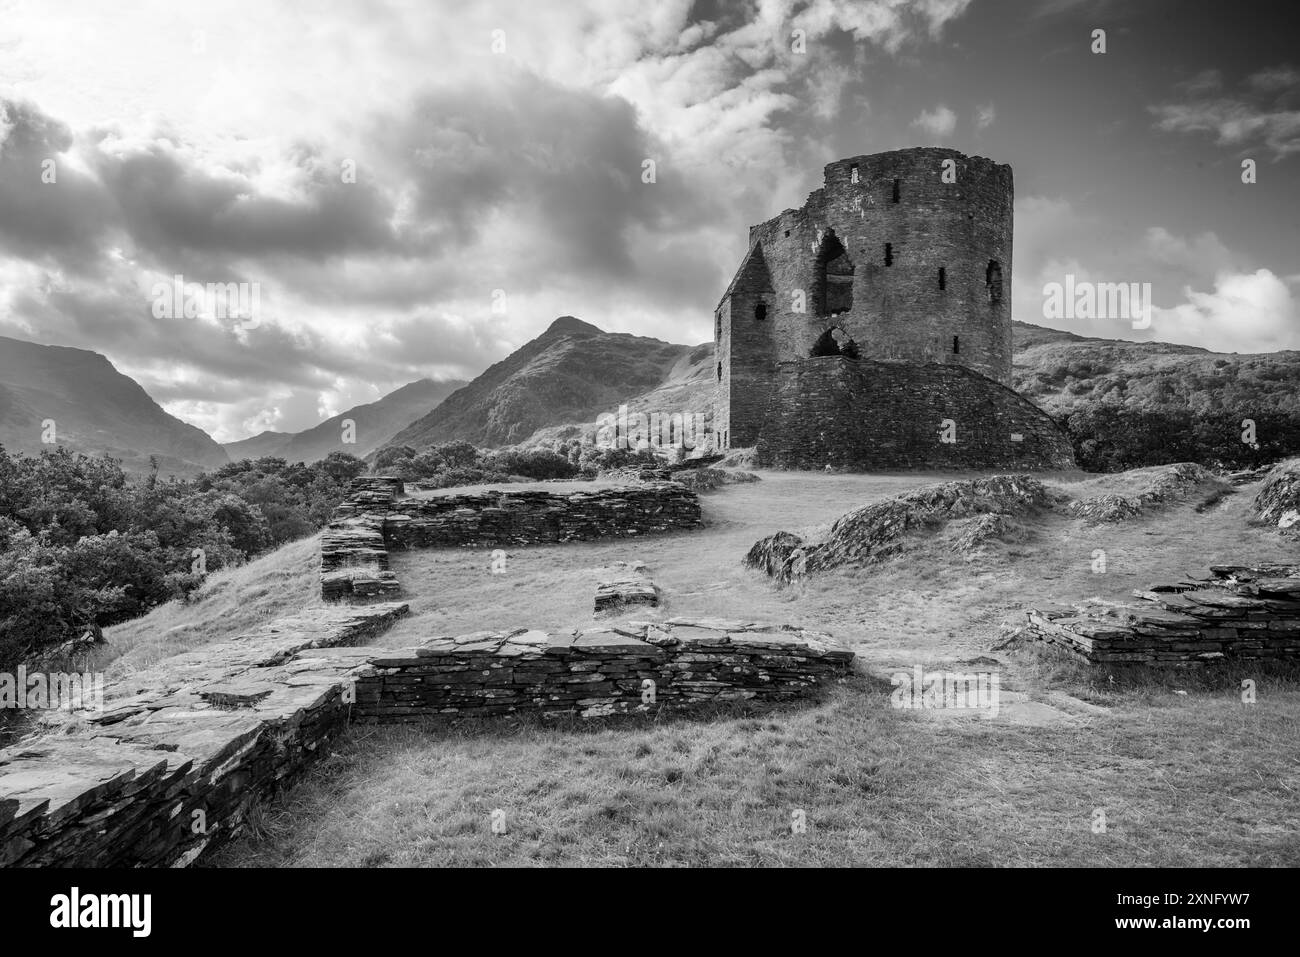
(419, 188)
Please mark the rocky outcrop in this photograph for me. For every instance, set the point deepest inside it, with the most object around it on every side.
(1242, 613)
(643, 667)
(881, 530)
(1159, 486)
(170, 766)
(1278, 501)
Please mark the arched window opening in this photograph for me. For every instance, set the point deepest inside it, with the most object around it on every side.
(993, 277)
(956, 345)
(943, 278)
(834, 277)
(889, 254)
(719, 371)
(897, 189)
(760, 312)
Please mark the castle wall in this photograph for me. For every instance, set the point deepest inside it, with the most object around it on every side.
(746, 354)
(878, 415)
(894, 219)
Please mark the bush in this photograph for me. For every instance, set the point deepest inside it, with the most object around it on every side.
(82, 545)
(1112, 438)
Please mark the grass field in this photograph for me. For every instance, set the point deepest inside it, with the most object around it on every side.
(1183, 771)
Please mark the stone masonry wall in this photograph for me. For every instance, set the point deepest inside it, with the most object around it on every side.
(181, 751)
(506, 517)
(863, 414)
(1242, 613)
(680, 664)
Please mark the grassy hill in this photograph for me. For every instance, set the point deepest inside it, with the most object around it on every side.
(1064, 375)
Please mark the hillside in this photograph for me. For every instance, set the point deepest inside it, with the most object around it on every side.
(96, 410)
(258, 446)
(571, 373)
(1061, 376)
(375, 422)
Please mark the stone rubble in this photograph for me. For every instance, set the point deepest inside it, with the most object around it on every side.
(616, 594)
(1242, 613)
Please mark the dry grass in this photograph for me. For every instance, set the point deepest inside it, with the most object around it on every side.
(231, 602)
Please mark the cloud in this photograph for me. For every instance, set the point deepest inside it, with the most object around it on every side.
(984, 116)
(1246, 312)
(1262, 115)
(939, 122)
(519, 172)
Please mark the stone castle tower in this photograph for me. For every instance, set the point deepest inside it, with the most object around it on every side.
(897, 272)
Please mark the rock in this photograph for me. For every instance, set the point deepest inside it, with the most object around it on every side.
(1278, 501)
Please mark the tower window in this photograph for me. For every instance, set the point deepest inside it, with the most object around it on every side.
(853, 173)
(993, 277)
(719, 371)
(897, 189)
(943, 281)
(834, 277)
(760, 312)
(889, 254)
(787, 234)
(956, 345)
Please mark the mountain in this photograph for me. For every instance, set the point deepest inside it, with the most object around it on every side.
(373, 424)
(259, 446)
(569, 374)
(95, 409)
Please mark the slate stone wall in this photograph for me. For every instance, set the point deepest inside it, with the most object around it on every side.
(875, 415)
(181, 751)
(646, 667)
(1241, 613)
(506, 517)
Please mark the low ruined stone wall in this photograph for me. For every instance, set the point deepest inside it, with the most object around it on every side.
(862, 414)
(353, 553)
(680, 665)
(170, 767)
(374, 518)
(1241, 613)
(508, 517)
(180, 753)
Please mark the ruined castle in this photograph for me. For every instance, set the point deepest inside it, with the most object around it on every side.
(872, 327)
